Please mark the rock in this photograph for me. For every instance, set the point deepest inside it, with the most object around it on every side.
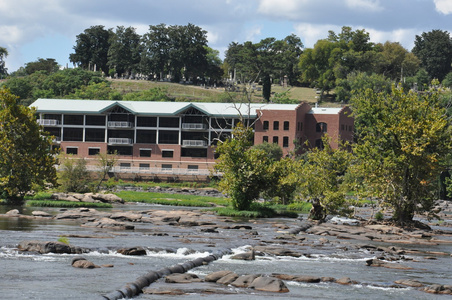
(109, 223)
(82, 212)
(215, 276)
(126, 216)
(409, 282)
(82, 263)
(49, 247)
(64, 197)
(38, 213)
(244, 280)
(269, 284)
(228, 279)
(132, 251)
(345, 281)
(182, 278)
(375, 262)
(245, 256)
(13, 212)
(108, 198)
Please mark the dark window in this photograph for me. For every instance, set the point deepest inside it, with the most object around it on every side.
(286, 125)
(265, 139)
(194, 152)
(167, 167)
(146, 136)
(276, 125)
(169, 122)
(73, 119)
(93, 151)
(319, 143)
(73, 134)
(54, 131)
(285, 142)
(219, 136)
(342, 127)
(350, 128)
(221, 123)
(145, 152)
(146, 121)
(120, 150)
(95, 120)
(321, 127)
(144, 166)
(192, 167)
(167, 153)
(266, 125)
(94, 135)
(300, 126)
(168, 137)
(124, 165)
(72, 150)
(275, 140)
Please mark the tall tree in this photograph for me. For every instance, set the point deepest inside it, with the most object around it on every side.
(48, 65)
(3, 55)
(124, 54)
(402, 140)
(156, 48)
(25, 156)
(91, 48)
(434, 49)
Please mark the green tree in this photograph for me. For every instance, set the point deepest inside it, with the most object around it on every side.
(156, 48)
(25, 156)
(322, 180)
(357, 82)
(284, 180)
(245, 170)
(273, 150)
(3, 55)
(105, 162)
(98, 91)
(124, 54)
(434, 49)
(402, 140)
(73, 175)
(447, 81)
(48, 65)
(91, 48)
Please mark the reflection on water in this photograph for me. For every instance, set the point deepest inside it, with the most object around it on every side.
(19, 224)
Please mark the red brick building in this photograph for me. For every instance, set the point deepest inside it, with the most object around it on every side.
(179, 138)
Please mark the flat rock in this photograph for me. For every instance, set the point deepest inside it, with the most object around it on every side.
(108, 223)
(269, 284)
(182, 278)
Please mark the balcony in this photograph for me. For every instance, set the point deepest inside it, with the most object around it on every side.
(56, 140)
(194, 143)
(119, 124)
(194, 126)
(48, 122)
(120, 141)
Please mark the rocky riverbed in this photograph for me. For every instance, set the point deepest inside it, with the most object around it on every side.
(237, 257)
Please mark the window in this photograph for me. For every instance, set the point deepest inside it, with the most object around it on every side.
(168, 137)
(265, 139)
(286, 125)
(285, 142)
(169, 122)
(275, 140)
(319, 144)
(93, 151)
(72, 150)
(144, 166)
(120, 150)
(73, 134)
(321, 127)
(276, 125)
(266, 125)
(124, 165)
(192, 168)
(194, 152)
(73, 119)
(342, 127)
(145, 152)
(146, 121)
(167, 167)
(95, 120)
(350, 128)
(300, 126)
(167, 153)
(94, 135)
(146, 136)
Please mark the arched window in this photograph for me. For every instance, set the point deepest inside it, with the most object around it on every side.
(321, 127)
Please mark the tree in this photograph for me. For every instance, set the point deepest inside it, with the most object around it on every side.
(401, 140)
(73, 175)
(3, 55)
(156, 48)
(284, 180)
(273, 150)
(356, 82)
(25, 156)
(124, 54)
(434, 49)
(245, 169)
(106, 162)
(322, 180)
(48, 65)
(91, 48)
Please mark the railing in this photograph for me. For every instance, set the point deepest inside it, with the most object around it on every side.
(194, 126)
(117, 124)
(48, 122)
(120, 141)
(194, 143)
(157, 171)
(56, 139)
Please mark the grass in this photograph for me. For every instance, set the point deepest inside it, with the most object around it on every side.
(258, 210)
(39, 196)
(171, 199)
(66, 204)
(150, 184)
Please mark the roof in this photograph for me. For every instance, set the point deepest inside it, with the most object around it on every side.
(149, 108)
(325, 110)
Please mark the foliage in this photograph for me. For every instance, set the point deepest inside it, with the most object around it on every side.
(63, 239)
(256, 210)
(402, 140)
(98, 91)
(379, 216)
(124, 53)
(322, 180)
(283, 98)
(273, 150)
(48, 65)
(105, 162)
(285, 180)
(39, 196)
(73, 175)
(3, 55)
(357, 82)
(447, 81)
(244, 169)
(434, 49)
(67, 204)
(171, 199)
(25, 156)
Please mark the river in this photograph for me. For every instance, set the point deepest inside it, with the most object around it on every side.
(50, 276)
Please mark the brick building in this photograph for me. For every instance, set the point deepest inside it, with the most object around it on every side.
(179, 138)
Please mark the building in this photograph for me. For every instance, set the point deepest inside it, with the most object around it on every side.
(176, 139)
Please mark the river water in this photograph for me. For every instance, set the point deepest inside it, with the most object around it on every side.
(50, 276)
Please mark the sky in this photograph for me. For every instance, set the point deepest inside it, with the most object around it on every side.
(33, 29)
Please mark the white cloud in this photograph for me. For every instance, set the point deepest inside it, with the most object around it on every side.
(372, 5)
(403, 36)
(281, 8)
(443, 6)
(311, 33)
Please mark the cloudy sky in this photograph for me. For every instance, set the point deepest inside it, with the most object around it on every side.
(48, 28)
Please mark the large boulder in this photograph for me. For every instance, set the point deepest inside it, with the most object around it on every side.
(107, 198)
(244, 280)
(137, 251)
(182, 278)
(215, 276)
(269, 284)
(109, 224)
(49, 247)
(126, 216)
(82, 263)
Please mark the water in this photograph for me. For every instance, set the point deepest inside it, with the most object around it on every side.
(50, 276)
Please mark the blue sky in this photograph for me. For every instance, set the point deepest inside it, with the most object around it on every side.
(48, 28)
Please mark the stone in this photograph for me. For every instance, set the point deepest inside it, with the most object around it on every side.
(108, 223)
(244, 280)
(182, 278)
(215, 276)
(245, 256)
(38, 213)
(82, 263)
(228, 279)
(13, 212)
(126, 216)
(137, 251)
(269, 284)
(49, 247)
(409, 282)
